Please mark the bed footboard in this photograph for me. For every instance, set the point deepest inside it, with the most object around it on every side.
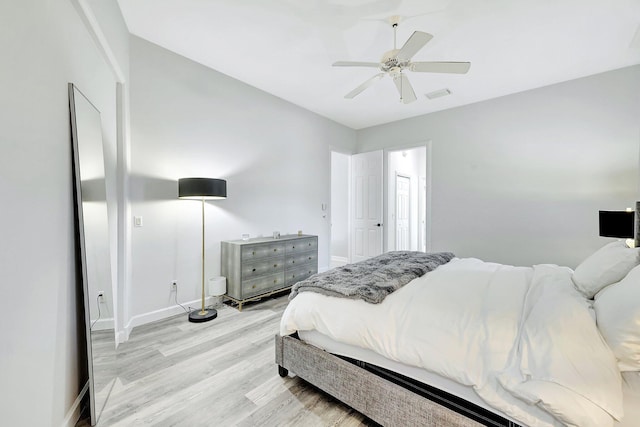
(379, 399)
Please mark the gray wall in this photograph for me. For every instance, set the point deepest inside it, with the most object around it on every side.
(44, 46)
(520, 179)
(188, 120)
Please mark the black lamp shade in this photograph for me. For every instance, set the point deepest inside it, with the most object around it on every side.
(202, 188)
(616, 224)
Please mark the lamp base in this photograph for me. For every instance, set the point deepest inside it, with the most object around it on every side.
(199, 316)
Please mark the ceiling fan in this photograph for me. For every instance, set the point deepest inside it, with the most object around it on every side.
(396, 61)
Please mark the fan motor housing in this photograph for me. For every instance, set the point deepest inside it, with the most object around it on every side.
(390, 61)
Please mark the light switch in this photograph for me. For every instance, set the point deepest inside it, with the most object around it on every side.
(137, 221)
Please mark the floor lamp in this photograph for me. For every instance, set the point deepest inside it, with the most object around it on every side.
(202, 189)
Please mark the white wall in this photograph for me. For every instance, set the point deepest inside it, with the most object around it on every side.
(188, 120)
(339, 208)
(520, 179)
(115, 32)
(112, 35)
(44, 46)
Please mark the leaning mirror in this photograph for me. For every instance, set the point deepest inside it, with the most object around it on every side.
(93, 230)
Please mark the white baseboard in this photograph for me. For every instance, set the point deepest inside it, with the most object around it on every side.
(102, 324)
(337, 261)
(154, 316)
(73, 415)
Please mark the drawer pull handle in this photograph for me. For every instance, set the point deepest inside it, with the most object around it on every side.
(275, 250)
(275, 265)
(293, 247)
(253, 287)
(293, 262)
(309, 244)
(309, 257)
(275, 280)
(253, 253)
(254, 269)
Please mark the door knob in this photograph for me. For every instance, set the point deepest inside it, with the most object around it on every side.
(378, 225)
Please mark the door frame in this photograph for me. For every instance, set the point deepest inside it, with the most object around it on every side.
(427, 144)
(427, 199)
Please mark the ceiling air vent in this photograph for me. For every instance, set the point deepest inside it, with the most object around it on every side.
(438, 93)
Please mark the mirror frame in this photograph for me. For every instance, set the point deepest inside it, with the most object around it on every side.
(83, 244)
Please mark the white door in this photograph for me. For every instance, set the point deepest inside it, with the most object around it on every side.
(403, 198)
(422, 214)
(366, 205)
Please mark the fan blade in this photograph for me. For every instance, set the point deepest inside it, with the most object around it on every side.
(356, 64)
(364, 85)
(404, 88)
(417, 40)
(441, 67)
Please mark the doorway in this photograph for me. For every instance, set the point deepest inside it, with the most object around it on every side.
(406, 199)
(403, 213)
(339, 209)
(402, 221)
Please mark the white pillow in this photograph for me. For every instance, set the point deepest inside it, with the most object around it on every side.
(618, 317)
(607, 265)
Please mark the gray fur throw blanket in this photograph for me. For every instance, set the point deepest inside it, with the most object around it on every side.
(373, 279)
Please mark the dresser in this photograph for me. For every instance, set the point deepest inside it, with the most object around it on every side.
(259, 267)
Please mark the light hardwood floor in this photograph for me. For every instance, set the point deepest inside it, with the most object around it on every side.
(218, 373)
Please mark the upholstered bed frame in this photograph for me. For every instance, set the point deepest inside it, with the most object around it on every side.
(385, 397)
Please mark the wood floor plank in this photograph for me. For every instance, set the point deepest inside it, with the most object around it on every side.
(217, 373)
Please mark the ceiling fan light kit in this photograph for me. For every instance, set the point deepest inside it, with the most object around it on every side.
(394, 62)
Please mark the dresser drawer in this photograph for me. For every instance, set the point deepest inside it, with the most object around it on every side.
(260, 267)
(262, 284)
(301, 245)
(294, 275)
(263, 251)
(295, 259)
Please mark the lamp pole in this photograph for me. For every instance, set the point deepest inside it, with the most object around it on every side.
(203, 312)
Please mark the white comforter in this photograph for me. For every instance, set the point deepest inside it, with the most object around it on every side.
(520, 336)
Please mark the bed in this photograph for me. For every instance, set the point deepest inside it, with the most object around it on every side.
(476, 343)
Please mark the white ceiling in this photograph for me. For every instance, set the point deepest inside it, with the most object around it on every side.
(286, 47)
